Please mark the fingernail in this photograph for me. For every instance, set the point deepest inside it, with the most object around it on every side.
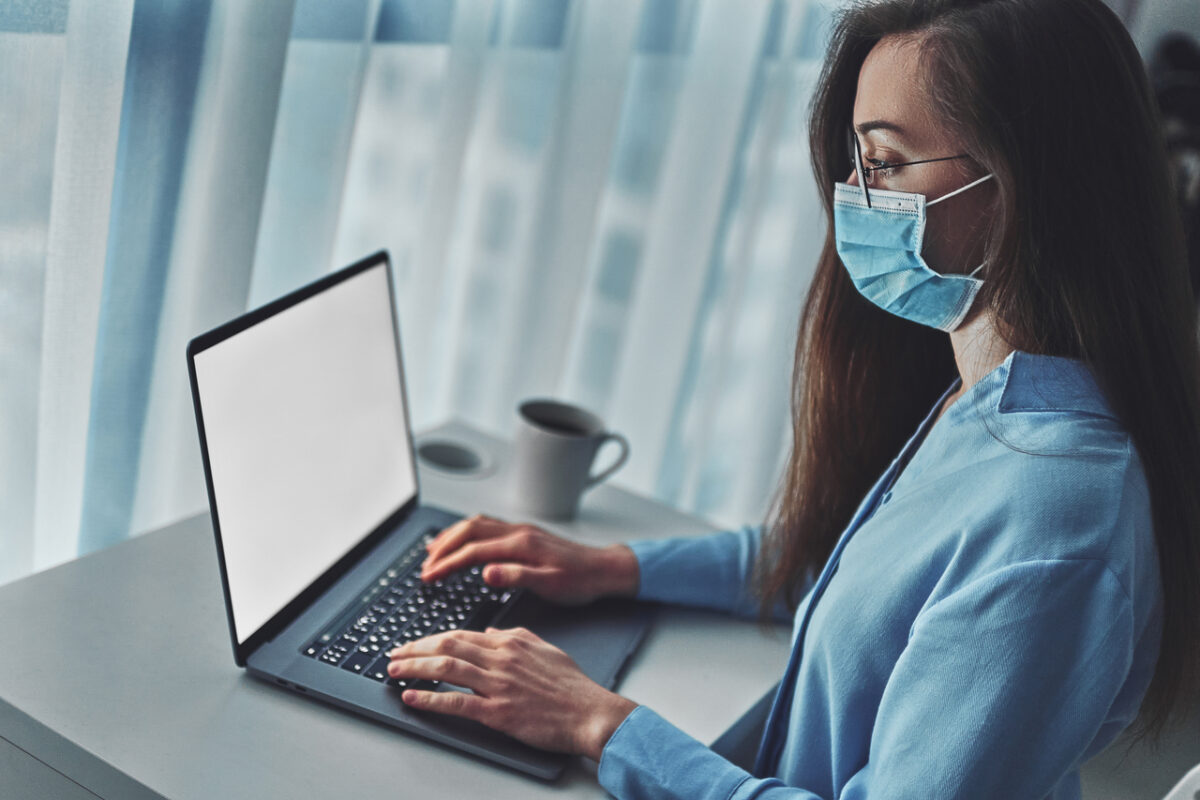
(392, 670)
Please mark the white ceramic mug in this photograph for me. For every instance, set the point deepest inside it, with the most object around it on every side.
(555, 446)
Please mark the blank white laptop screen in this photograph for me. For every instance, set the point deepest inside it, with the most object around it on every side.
(307, 440)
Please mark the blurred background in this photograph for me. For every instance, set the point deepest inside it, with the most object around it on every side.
(605, 201)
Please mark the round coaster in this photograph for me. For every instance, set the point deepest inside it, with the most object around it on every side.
(454, 459)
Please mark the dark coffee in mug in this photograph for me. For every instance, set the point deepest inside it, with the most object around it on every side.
(563, 428)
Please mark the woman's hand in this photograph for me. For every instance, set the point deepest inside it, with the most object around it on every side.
(524, 556)
(522, 685)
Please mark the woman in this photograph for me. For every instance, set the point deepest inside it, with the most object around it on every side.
(987, 541)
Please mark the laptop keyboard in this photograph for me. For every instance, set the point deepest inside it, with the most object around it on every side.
(399, 607)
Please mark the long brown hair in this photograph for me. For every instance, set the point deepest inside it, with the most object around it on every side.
(1085, 260)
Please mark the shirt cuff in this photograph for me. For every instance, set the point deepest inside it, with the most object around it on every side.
(648, 757)
(648, 553)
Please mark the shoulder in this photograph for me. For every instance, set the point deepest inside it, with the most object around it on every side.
(1055, 475)
(1052, 406)
(1060, 446)
(1037, 436)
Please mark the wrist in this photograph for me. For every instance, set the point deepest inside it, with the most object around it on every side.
(603, 723)
(619, 568)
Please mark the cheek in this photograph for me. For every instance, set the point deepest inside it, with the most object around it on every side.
(950, 236)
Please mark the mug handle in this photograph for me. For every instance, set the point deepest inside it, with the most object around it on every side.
(619, 439)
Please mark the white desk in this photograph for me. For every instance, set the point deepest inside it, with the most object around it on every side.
(119, 680)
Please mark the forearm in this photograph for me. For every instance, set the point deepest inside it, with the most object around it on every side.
(713, 571)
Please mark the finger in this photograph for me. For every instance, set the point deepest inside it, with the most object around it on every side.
(517, 576)
(519, 633)
(463, 531)
(457, 704)
(515, 547)
(442, 668)
(467, 645)
(526, 634)
(452, 530)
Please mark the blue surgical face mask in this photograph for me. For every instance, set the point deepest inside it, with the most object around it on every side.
(881, 249)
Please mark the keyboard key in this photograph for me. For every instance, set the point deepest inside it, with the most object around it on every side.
(378, 669)
(358, 661)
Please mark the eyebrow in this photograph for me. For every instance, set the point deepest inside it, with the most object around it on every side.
(880, 124)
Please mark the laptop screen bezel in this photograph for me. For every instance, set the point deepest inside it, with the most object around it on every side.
(285, 616)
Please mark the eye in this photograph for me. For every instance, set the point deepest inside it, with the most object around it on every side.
(883, 168)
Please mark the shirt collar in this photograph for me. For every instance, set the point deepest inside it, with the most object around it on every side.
(1035, 383)
(1023, 382)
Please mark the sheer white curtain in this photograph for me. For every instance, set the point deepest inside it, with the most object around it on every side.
(61, 85)
(607, 201)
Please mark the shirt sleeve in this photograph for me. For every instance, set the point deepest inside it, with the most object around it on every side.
(711, 571)
(1019, 667)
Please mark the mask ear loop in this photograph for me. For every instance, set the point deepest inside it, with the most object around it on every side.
(956, 191)
(970, 274)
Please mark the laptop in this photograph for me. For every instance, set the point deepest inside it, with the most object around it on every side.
(313, 491)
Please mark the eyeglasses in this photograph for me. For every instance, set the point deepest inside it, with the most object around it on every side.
(866, 175)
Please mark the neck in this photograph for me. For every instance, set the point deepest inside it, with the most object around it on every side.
(978, 349)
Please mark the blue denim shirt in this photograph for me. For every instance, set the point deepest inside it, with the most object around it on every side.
(989, 619)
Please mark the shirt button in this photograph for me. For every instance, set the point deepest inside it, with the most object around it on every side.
(886, 496)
